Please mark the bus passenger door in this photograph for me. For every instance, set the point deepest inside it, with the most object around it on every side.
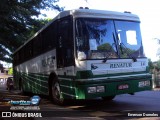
(60, 55)
(65, 55)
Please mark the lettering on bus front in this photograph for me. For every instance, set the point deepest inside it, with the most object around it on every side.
(48, 62)
(120, 65)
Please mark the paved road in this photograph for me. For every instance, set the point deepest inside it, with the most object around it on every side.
(123, 105)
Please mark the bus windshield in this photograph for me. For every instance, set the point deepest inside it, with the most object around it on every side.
(103, 38)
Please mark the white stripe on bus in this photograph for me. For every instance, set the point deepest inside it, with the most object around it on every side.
(69, 94)
(68, 86)
(122, 76)
(35, 78)
(35, 83)
(65, 79)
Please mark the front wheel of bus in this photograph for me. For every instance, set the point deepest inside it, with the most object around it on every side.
(56, 93)
(108, 98)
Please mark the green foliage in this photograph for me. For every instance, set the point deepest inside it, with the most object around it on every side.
(150, 64)
(126, 52)
(18, 22)
(106, 46)
(10, 72)
(158, 65)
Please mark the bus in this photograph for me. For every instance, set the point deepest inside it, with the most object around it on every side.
(84, 54)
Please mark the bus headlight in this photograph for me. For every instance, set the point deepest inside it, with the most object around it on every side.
(91, 89)
(96, 89)
(100, 88)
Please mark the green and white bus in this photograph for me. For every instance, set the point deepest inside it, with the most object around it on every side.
(84, 54)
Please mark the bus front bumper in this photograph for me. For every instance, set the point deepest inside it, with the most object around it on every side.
(112, 88)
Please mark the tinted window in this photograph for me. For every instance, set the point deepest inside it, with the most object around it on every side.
(49, 37)
(65, 56)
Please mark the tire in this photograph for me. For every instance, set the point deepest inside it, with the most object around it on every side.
(21, 87)
(10, 88)
(108, 98)
(56, 95)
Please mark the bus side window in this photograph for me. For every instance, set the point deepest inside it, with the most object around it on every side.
(48, 37)
(37, 43)
(28, 50)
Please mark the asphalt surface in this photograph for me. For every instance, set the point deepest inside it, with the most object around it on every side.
(118, 109)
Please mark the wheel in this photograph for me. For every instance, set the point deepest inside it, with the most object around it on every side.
(21, 90)
(56, 93)
(10, 88)
(108, 98)
(21, 87)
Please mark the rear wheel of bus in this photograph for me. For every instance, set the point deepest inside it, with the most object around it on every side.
(20, 86)
(21, 89)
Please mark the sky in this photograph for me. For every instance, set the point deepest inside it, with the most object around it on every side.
(147, 10)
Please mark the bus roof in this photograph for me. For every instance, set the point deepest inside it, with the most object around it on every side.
(89, 13)
(98, 14)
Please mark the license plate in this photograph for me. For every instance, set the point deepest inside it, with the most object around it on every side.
(144, 83)
(122, 87)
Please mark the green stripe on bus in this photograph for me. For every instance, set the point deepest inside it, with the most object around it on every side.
(38, 83)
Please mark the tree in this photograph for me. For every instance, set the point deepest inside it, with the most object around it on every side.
(10, 72)
(158, 65)
(18, 22)
(150, 64)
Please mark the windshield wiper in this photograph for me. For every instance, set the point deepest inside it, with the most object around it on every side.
(115, 43)
(127, 50)
(116, 39)
(121, 49)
